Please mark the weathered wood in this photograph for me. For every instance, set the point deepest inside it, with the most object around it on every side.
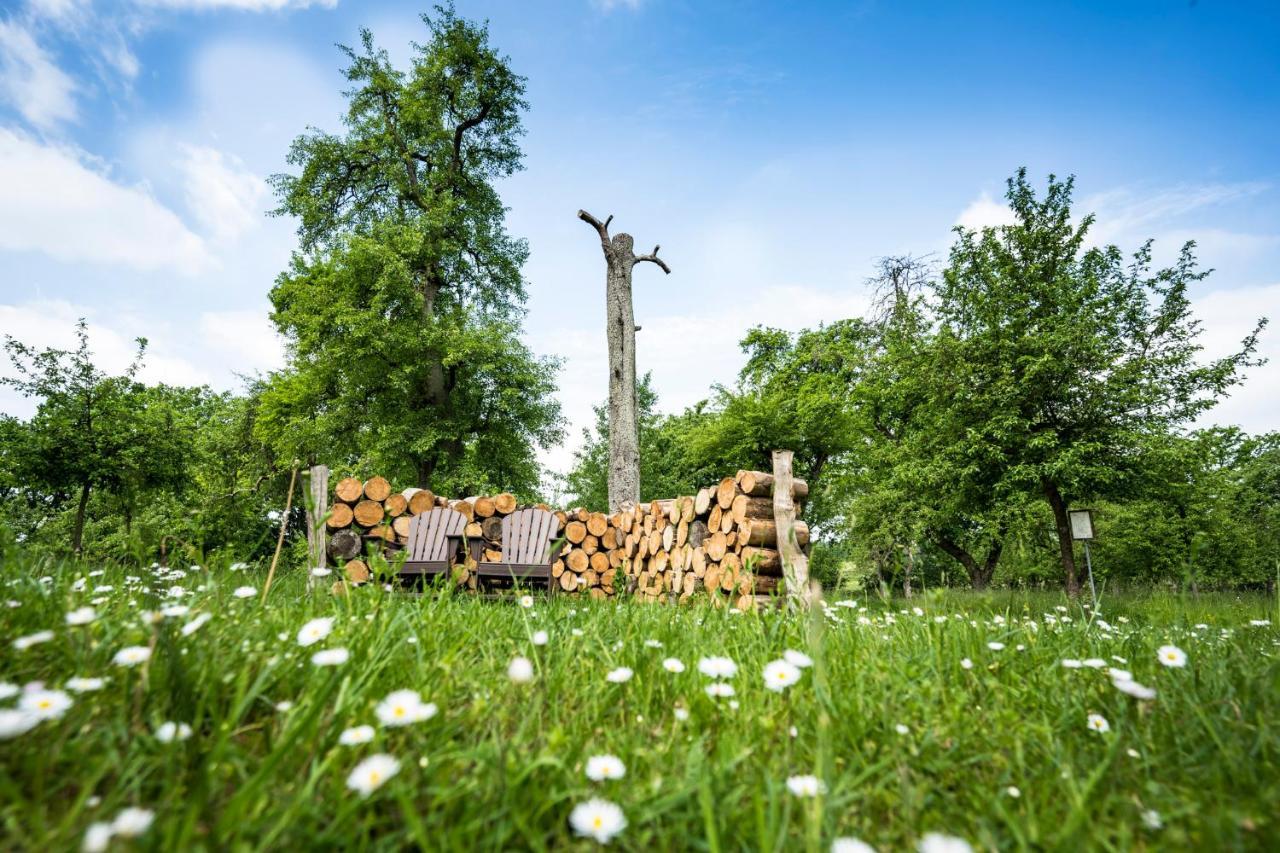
(698, 533)
(484, 506)
(345, 544)
(340, 516)
(349, 490)
(575, 532)
(504, 503)
(764, 561)
(747, 508)
(491, 527)
(794, 562)
(764, 533)
(702, 501)
(368, 513)
(597, 524)
(726, 492)
(396, 505)
(317, 507)
(760, 484)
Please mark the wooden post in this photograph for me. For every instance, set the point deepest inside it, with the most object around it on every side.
(795, 565)
(317, 499)
(284, 524)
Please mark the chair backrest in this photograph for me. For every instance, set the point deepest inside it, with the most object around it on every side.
(429, 534)
(527, 535)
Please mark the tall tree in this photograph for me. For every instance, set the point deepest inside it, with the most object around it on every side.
(402, 306)
(1058, 363)
(620, 330)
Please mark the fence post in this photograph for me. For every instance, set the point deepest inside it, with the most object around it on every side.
(317, 498)
(795, 565)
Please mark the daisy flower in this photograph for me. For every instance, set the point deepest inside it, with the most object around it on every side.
(315, 631)
(719, 690)
(851, 845)
(195, 624)
(619, 675)
(1098, 723)
(14, 722)
(8, 690)
(520, 670)
(597, 819)
(995, 646)
(902, 729)
(132, 656)
(965, 663)
(540, 638)
(81, 616)
(357, 735)
(673, 665)
(331, 657)
(681, 714)
(717, 667)
(169, 732)
(780, 674)
(604, 767)
(97, 838)
(370, 775)
(796, 658)
(1172, 656)
(321, 572)
(24, 643)
(404, 707)
(245, 592)
(132, 822)
(44, 704)
(806, 786)
(526, 601)
(936, 842)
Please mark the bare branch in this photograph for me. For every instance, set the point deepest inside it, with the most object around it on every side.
(602, 228)
(653, 258)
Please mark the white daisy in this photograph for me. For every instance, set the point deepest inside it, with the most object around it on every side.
(796, 658)
(132, 656)
(171, 731)
(14, 722)
(245, 592)
(1013, 791)
(902, 729)
(681, 714)
(8, 690)
(1071, 663)
(370, 775)
(195, 624)
(24, 643)
(806, 786)
(321, 572)
(936, 842)
(403, 708)
(780, 674)
(653, 644)
(851, 845)
(284, 706)
(719, 690)
(540, 638)
(315, 631)
(520, 670)
(357, 735)
(132, 822)
(1151, 819)
(81, 616)
(174, 611)
(97, 837)
(717, 667)
(1098, 723)
(526, 601)
(619, 675)
(331, 657)
(1172, 656)
(965, 663)
(673, 665)
(604, 767)
(597, 819)
(995, 646)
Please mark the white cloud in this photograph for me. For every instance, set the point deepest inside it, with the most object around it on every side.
(1125, 212)
(58, 201)
(223, 196)
(245, 341)
(31, 81)
(1228, 316)
(985, 212)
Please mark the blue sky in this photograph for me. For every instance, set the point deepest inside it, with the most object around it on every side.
(774, 150)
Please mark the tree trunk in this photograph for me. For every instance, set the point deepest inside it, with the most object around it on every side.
(979, 575)
(624, 428)
(908, 567)
(77, 532)
(1066, 546)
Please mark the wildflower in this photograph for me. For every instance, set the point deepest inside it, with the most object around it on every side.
(619, 675)
(719, 689)
(604, 767)
(174, 611)
(902, 729)
(673, 665)
(995, 646)
(917, 611)
(284, 706)
(97, 838)
(15, 721)
(315, 631)
(239, 567)
(81, 616)
(681, 714)
(526, 601)
(780, 674)
(1133, 753)
(1259, 623)
(851, 845)
(1119, 674)
(24, 643)
(1094, 663)
(799, 659)
(577, 632)
(1099, 723)
(169, 732)
(132, 822)
(1133, 688)
(1071, 663)
(195, 624)
(653, 644)
(132, 656)
(245, 592)
(1151, 819)
(597, 819)
(357, 735)
(520, 670)
(540, 638)
(331, 657)
(174, 592)
(936, 842)
(806, 786)
(965, 663)
(404, 707)
(717, 667)
(369, 775)
(8, 691)
(1172, 656)
(1013, 791)
(321, 572)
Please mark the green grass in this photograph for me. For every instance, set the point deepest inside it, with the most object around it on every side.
(501, 765)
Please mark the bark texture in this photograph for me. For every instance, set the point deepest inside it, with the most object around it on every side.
(624, 428)
(1065, 544)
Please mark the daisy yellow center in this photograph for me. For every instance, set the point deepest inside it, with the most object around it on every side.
(399, 711)
(45, 703)
(597, 822)
(374, 777)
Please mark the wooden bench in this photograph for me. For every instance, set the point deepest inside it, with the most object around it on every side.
(434, 539)
(528, 550)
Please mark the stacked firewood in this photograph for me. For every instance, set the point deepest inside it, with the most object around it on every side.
(722, 541)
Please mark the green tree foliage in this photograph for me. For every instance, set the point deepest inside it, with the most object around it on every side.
(401, 309)
(1057, 365)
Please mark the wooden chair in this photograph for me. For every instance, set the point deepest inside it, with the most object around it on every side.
(528, 549)
(434, 537)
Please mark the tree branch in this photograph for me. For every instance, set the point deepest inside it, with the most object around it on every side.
(602, 228)
(653, 258)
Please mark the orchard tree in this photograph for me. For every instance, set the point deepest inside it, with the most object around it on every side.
(1058, 364)
(402, 307)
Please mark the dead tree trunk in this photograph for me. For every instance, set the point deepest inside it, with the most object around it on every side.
(624, 428)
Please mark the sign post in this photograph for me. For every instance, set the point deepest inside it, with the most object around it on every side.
(1082, 531)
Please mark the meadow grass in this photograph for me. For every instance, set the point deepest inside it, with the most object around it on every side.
(904, 739)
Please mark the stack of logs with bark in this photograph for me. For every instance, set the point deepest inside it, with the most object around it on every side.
(722, 541)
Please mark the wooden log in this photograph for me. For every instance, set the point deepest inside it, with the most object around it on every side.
(464, 507)
(794, 561)
(505, 503)
(401, 526)
(340, 516)
(345, 544)
(575, 531)
(764, 533)
(562, 518)
(582, 514)
(690, 584)
(713, 518)
(316, 498)
(349, 490)
(491, 527)
(599, 562)
(726, 492)
(616, 558)
(669, 537)
(493, 555)
(608, 578)
(420, 501)
(727, 524)
(655, 541)
(590, 544)
(659, 562)
(760, 484)
(682, 533)
(568, 581)
(698, 533)
(686, 509)
(747, 508)
(377, 489)
(473, 530)
(368, 513)
(385, 532)
(711, 578)
(698, 562)
(716, 546)
(597, 524)
(609, 540)
(702, 501)
(578, 560)
(745, 603)
(484, 506)
(357, 571)
(642, 547)
(764, 561)
(396, 505)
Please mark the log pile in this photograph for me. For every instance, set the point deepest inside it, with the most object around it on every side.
(721, 541)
